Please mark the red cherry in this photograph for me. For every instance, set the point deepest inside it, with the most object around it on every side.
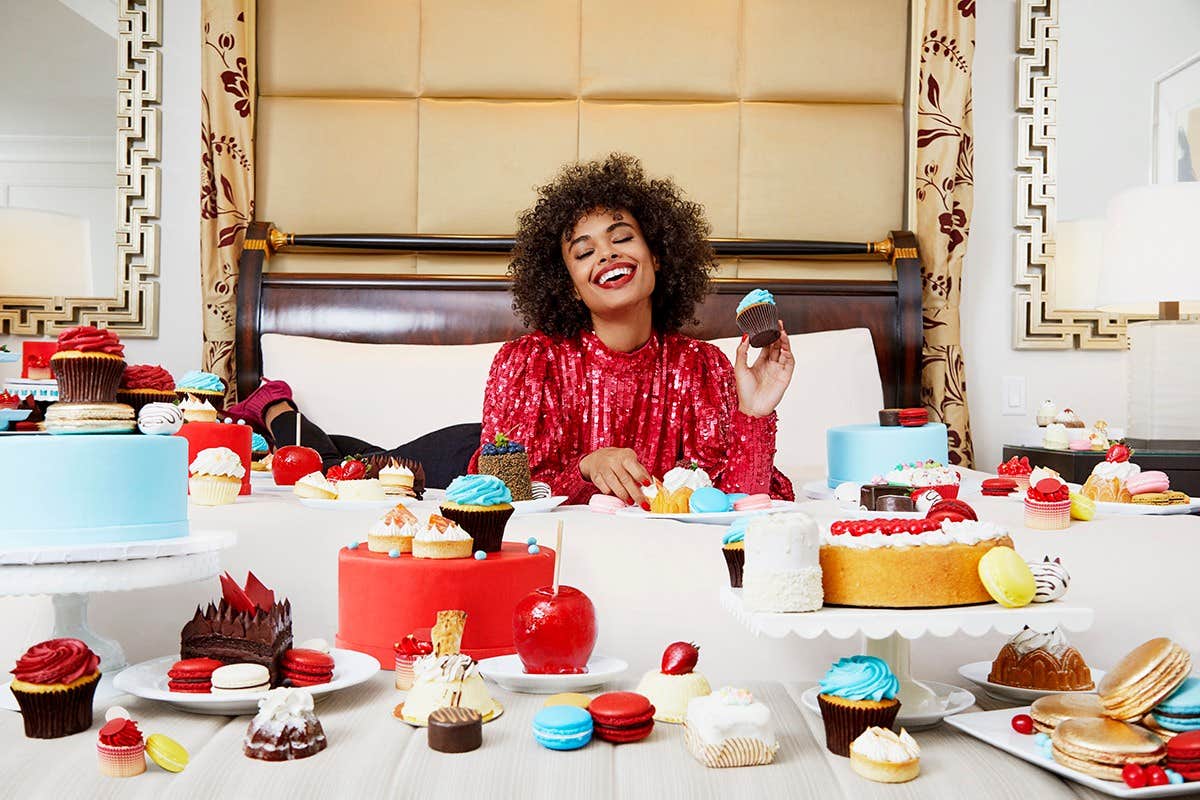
(1134, 776)
(1156, 776)
(1022, 724)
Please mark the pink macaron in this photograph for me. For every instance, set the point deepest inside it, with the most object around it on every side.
(754, 502)
(605, 504)
(1146, 482)
(1080, 444)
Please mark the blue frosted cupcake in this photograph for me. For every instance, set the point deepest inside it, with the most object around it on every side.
(733, 547)
(856, 693)
(202, 385)
(758, 317)
(481, 505)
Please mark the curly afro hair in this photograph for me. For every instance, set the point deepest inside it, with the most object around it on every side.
(675, 229)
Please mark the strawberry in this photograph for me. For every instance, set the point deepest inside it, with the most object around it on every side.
(680, 658)
(336, 473)
(1118, 452)
(353, 470)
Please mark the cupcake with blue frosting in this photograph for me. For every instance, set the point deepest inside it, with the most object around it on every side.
(480, 505)
(758, 317)
(733, 547)
(857, 693)
(203, 386)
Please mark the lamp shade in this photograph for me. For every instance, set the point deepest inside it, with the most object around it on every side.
(1151, 251)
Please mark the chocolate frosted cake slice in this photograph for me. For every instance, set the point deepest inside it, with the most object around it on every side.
(239, 637)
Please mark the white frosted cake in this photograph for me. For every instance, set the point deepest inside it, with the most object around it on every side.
(729, 728)
(783, 563)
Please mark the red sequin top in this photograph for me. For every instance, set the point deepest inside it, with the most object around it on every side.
(673, 398)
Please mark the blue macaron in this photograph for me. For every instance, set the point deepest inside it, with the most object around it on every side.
(562, 727)
(708, 500)
(1181, 710)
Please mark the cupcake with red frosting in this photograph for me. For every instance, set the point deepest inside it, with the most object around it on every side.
(1048, 501)
(409, 650)
(121, 749)
(1018, 469)
(88, 365)
(54, 683)
(142, 384)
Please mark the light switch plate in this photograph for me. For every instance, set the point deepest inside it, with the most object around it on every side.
(1012, 401)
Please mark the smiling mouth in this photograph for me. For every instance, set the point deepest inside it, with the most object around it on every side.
(616, 276)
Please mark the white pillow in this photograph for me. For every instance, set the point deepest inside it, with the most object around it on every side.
(389, 394)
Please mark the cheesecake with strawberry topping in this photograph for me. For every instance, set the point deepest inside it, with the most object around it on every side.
(675, 684)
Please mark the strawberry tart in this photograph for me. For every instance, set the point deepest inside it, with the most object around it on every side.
(1048, 501)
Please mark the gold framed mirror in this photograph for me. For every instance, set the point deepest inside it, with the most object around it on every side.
(74, 233)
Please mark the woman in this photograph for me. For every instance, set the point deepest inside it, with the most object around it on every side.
(606, 393)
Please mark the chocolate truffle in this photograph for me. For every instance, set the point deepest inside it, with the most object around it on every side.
(455, 730)
(889, 417)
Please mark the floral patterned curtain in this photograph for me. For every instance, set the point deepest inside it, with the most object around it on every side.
(227, 95)
(944, 199)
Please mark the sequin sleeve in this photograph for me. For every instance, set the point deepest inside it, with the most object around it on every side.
(524, 398)
(737, 449)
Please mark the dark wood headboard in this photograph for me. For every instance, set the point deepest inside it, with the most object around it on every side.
(394, 309)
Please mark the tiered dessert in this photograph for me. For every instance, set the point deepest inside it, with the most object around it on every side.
(247, 626)
(863, 453)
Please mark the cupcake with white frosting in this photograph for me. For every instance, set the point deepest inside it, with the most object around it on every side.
(395, 530)
(885, 756)
(215, 477)
(196, 409)
(442, 538)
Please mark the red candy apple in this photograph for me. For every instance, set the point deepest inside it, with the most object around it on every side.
(291, 463)
(554, 633)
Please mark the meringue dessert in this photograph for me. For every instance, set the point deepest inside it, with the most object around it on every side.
(884, 756)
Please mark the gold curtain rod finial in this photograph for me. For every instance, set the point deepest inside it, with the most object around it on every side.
(279, 239)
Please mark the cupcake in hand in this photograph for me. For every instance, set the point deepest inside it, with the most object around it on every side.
(215, 477)
(857, 693)
(758, 317)
(88, 365)
(54, 683)
(480, 505)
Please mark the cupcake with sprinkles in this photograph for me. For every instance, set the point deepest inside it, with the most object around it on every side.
(758, 317)
(202, 385)
(480, 505)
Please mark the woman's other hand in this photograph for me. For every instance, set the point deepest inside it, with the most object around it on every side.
(616, 471)
(761, 387)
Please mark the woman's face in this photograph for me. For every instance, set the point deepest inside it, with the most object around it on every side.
(610, 262)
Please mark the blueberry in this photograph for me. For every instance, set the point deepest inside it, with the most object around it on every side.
(534, 549)
(489, 449)
(480, 555)
(518, 448)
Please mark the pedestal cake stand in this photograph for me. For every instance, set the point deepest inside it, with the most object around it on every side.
(71, 574)
(888, 634)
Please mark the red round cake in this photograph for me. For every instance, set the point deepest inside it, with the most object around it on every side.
(203, 435)
(383, 599)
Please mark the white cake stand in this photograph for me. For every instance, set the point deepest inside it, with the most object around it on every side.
(71, 574)
(888, 633)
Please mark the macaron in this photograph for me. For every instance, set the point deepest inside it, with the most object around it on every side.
(565, 727)
(192, 675)
(735, 496)
(952, 510)
(1102, 747)
(708, 500)
(307, 667)
(913, 417)
(455, 730)
(1143, 678)
(166, 752)
(622, 716)
(568, 699)
(753, 502)
(1083, 508)
(1052, 709)
(998, 487)
(605, 504)
(1147, 482)
(1183, 755)
(239, 678)
(889, 417)
(1007, 578)
(1181, 710)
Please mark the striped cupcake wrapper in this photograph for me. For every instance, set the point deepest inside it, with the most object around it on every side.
(1047, 516)
(731, 753)
(121, 762)
(404, 673)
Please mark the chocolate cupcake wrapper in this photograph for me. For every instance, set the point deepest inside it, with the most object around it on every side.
(761, 322)
(485, 527)
(52, 715)
(88, 379)
(137, 399)
(844, 724)
(735, 560)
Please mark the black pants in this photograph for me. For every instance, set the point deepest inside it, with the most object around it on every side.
(444, 453)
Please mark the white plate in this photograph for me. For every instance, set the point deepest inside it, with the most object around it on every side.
(817, 490)
(953, 699)
(1139, 510)
(995, 728)
(351, 505)
(149, 680)
(977, 673)
(265, 482)
(711, 518)
(520, 507)
(508, 673)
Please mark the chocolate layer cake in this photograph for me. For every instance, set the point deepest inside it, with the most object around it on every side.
(239, 637)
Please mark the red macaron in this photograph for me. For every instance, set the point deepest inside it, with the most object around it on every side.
(952, 510)
(998, 487)
(1183, 755)
(192, 675)
(621, 717)
(913, 417)
(307, 667)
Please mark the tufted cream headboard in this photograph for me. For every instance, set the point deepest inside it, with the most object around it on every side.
(785, 118)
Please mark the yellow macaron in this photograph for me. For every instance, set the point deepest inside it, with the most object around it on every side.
(1083, 508)
(166, 752)
(1007, 577)
(568, 699)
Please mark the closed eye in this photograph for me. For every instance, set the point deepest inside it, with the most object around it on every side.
(581, 256)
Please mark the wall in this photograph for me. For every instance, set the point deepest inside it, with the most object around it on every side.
(1092, 383)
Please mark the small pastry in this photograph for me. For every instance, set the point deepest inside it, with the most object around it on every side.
(1148, 482)
(192, 675)
(621, 717)
(605, 504)
(998, 487)
(1107, 482)
(142, 384)
(673, 687)
(409, 650)
(733, 548)
(754, 502)
(758, 317)
(316, 486)
(1183, 755)
(121, 749)
(368, 489)
(782, 569)
(1083, 508)
(541, 490)
(396, 479)
(1048, 501)
(1050, 579)
(306, 667)
(1069, 419)
(203, 385)
(925, 500)
(1180, 711)
(1007, 577)
(395, 530)
(1042, 661)
(848, 495)
(285, 727)
(568, 699)
(441, 538)
(195, 409)
(857, 693)
(914, 417)
(54, 683)
(1046, 413)
(167, 753)
(159, 419)
(881, 755)
(1103, 747)
(1097, 440)
(215, 477)
(481, 505)
(1018, 469)
(926, 475)
(240, 679)
(508, 461)
(729, 728)
(1055, 437)
(889, 417)
(894, 503)
(455, 730)
(1052, 709)
(690, 475)
(447, 680)
(670, 501)
(88, 365)
(1143, 678)
(1168, 498)
(562, 727)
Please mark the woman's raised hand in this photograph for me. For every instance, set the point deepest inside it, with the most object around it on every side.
(761, 387)
(616, 471)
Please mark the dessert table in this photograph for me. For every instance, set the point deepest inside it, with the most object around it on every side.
(372, 754)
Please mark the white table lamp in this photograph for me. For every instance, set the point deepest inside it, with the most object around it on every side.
(1151, 259)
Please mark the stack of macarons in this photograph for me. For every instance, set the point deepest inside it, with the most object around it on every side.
(1145, 677)
(1103, 747)
(192, 675)
(621, 717)
(306, 667)
(998, 487)
(1180, 711)
(1048, 711)
(1183, 755)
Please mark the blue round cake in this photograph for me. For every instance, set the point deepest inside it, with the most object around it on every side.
(860, 453)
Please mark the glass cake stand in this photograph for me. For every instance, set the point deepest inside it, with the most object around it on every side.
(888, 634)
(71, 574)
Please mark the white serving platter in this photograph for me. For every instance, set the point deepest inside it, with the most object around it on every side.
(953, 700)
(978, 671)
(508, 673)
(711, 518)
